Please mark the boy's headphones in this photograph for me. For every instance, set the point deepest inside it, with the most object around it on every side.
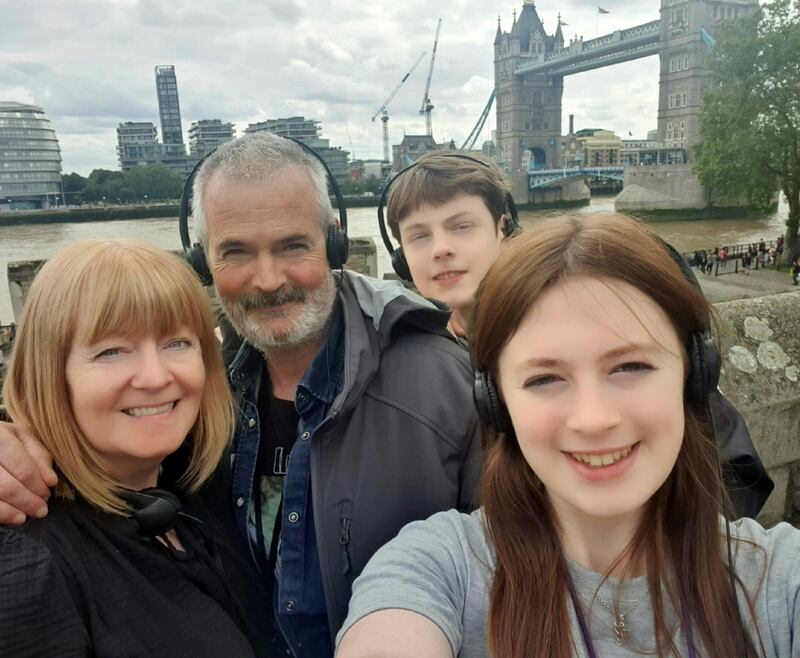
(155, 510)
(701, 381)
(399, 262)
(337, 246)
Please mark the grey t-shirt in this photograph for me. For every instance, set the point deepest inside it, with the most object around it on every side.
(442, 568)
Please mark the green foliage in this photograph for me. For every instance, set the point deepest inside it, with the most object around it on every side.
(370, 185)
(137, 185)
(750, 117)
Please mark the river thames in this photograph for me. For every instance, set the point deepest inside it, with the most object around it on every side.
(43, 240)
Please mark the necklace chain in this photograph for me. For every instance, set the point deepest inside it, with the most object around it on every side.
(620, 630)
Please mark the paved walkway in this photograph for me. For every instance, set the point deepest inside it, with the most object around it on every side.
(739, 286)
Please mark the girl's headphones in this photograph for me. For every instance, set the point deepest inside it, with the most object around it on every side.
(702, 379)
(399, 262)
(337, 245)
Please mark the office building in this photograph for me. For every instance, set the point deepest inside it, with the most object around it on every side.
(134, 132)
(169, 107)
(207, 134)
(30, 159)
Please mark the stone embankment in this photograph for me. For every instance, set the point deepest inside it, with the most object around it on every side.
(760, 344)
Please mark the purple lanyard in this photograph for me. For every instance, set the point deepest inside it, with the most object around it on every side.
(587, 639)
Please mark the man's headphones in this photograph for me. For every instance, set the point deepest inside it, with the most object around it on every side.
(701, 381)
(337, 246)
(155, 510)
(399, 262)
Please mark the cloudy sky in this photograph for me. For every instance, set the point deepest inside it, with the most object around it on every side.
(89, 64)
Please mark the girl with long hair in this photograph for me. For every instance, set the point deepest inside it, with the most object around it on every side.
(601, 531)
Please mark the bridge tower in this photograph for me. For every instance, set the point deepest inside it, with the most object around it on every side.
(528, 108)
(683, 57)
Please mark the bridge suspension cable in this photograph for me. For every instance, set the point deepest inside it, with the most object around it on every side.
(469, 142)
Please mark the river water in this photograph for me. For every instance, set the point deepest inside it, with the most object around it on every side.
(42, 241)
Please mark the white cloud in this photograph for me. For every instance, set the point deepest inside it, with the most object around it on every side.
(91, 67)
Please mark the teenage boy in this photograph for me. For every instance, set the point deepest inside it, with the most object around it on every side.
(449, 214)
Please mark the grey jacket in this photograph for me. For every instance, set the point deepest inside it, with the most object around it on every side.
(401, 441)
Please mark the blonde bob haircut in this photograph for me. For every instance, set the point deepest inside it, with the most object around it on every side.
(117, 288)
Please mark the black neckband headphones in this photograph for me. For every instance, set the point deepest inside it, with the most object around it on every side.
(702, 378)
(155, 511)
(337, 246)
(399, 262)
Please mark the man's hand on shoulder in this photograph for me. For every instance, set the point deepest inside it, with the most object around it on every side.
(26, 475)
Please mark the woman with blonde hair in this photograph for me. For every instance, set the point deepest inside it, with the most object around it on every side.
(117, 369)
(601, 531)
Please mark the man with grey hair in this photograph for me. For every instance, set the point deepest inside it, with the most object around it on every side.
(357, 380)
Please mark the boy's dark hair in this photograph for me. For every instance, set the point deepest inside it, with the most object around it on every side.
(438, 177)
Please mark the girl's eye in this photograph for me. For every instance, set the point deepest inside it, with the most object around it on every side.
(179, 343)
(634, 366)
(540, 380)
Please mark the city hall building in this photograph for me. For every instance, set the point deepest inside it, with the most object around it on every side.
(30, 159)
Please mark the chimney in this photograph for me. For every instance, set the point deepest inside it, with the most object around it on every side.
(571, 124)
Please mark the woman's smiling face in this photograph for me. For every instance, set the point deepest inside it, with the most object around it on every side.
(593, 380)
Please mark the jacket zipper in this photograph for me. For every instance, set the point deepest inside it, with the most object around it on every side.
(344, 541)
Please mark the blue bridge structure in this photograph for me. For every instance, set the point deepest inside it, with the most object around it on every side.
(545, 177)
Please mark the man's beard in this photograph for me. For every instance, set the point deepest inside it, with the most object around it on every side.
(317, 307)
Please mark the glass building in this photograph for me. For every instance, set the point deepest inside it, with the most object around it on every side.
(168, 105)
(30, 159)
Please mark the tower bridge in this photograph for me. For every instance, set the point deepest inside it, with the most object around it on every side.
(530, 67)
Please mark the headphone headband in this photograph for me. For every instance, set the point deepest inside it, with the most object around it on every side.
(337, 244)
(398, 257)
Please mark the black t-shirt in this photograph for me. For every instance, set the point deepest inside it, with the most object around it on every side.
(279, 421)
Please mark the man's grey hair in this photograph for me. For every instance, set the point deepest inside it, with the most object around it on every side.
(258, 158)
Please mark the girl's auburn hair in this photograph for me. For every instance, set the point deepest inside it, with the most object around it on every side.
(679, 540)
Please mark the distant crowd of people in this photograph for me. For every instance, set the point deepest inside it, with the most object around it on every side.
(757, 255)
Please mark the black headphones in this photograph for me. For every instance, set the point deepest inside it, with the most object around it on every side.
(337, 246)
(399, 262)
(155, 510)
(701, 381)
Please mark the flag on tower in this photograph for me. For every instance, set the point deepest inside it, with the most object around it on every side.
(600, 10)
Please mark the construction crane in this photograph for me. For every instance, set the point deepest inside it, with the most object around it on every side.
(385, 115)
(427, 106)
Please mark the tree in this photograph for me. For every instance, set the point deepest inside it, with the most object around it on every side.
(750, 117)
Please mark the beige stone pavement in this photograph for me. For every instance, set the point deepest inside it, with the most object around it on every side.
(758, 283)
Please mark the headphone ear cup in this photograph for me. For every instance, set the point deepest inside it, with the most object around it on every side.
(154, 510)
(400, 265)
(197, 259)
(337, 247)
(490, 407)
(704, 367)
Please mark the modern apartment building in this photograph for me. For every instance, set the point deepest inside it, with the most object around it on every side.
(308, 132)
(169, 107)
(207, 134)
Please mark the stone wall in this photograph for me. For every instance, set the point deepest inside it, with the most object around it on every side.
(760, 345)
(666, 187)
